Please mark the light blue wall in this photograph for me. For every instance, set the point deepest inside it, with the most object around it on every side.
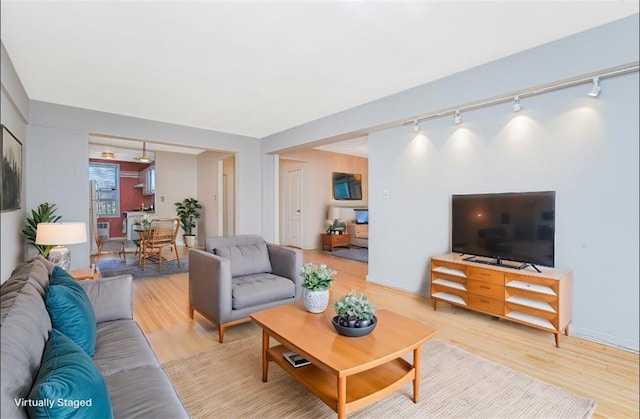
(14, 108)
(585, 149)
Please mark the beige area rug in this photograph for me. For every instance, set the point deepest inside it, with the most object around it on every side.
(226, 382)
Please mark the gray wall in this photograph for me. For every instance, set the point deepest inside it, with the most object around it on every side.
(14, 108)
(585, 149)
(57, 167)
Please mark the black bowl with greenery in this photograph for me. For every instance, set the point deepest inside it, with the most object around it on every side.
(354, 315)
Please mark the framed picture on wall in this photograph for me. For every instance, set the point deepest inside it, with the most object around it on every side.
(11, 171)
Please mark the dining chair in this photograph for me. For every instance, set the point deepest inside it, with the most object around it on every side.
(100, 244)
(162, 233)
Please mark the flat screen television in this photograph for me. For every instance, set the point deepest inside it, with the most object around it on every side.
(362, 216)
(511, 226)
(347, 186)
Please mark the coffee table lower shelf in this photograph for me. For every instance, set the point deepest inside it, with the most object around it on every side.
(362, 388)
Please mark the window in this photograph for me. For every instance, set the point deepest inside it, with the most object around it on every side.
(108, 188)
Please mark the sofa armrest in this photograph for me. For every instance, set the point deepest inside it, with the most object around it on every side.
(210, 285)
(286, 262)
(111, 298)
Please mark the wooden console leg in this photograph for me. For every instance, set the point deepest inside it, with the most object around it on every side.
(435, 305)
(191, 311)
(557, 336)
(566, 331)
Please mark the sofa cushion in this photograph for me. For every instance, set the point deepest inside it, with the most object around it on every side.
(111, 298)
(246, 259)
(263, 288)
(120, 346)
(72, 314)
(144, 393)
(68, 384)
(25, 330)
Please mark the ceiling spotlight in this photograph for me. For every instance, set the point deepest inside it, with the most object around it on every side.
(144, 158)
(517, 107)
(108, 155)
(416, 126)
(457, 118)
(595, 90)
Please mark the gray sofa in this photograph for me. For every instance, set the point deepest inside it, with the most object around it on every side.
(238, 275)
(136, 384)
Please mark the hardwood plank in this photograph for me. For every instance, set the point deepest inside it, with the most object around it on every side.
(605, 374)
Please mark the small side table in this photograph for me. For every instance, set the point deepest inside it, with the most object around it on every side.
(87, 273)
(335, 240)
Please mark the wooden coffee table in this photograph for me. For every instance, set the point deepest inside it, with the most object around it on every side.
(345, 373)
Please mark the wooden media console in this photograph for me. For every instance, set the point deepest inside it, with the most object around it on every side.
(538, 299)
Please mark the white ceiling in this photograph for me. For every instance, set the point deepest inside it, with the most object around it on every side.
(259, 67)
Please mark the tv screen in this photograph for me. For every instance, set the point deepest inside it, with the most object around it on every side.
(347, 186)
(510, 226)
(362, 216)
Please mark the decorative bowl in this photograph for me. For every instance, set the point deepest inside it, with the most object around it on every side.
(354, 331)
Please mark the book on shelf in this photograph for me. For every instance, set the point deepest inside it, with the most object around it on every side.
(295, 359)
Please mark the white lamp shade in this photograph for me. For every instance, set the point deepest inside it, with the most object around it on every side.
(54, 234)
(334, 213)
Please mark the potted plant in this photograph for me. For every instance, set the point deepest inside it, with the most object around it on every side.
(188, 211)
(354, 315)
(43, 214)
(315, 286)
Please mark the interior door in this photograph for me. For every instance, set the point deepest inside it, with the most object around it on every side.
(294, 208)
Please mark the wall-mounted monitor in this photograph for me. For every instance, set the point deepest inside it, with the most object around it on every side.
(347, 186)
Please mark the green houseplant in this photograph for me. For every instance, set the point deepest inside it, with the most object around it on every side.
(44, 213)
(316, 280)
(354, 311)
(188, 211)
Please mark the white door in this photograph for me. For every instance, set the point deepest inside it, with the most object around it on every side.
(294, 208)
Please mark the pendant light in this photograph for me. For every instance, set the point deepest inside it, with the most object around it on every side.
(144, 158)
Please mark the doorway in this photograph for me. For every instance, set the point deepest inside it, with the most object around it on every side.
(294, 208)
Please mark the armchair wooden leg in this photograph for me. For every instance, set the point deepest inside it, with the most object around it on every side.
(221, 333)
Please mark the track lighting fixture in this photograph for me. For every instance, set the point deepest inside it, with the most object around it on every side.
(108, 155)
(515, 97)
(595, 90)
(517, 107)
(457, 118)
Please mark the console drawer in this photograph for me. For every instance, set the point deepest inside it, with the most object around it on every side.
(486, 289)
(487, 305)
(486, 275)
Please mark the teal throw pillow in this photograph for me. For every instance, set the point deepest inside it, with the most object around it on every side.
(68, 384)
(61, 277)
(71, 313)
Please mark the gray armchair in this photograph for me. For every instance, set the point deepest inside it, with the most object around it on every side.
(236, 276)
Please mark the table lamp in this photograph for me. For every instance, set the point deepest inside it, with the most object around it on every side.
(334, 214)
(57, 235)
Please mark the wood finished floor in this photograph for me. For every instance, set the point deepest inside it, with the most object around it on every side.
(602, 373)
